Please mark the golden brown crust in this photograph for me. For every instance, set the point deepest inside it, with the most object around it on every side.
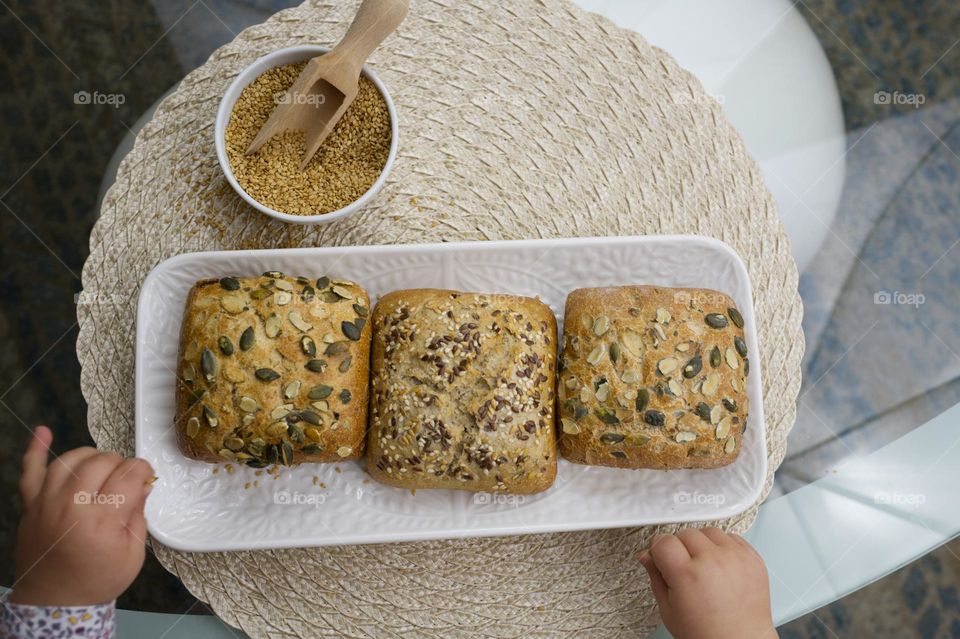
(463, 392)
(635, 356)
(273, 369)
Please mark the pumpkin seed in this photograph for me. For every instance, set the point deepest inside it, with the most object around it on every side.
(271, 325)
(323, 282)
(580, 412)
(196, 395)
(193, 427)
(603, 392)
(342, 292)
(732, 360)
(362, 311)
(311, 449)
(703, 411)
(307, 294)
(606, 416)
(226, 346)
(730, 405)
(320, 392)
(614, 352)
(715, 414)
(295, 434)
(685, 436)
(611, 438)
(246, 339)
(266, 374)
(637, 440)
(256, 463)
(663, 316)
(229, 283)
(321, 405)
(310, 417)
(313, 434)
(715, 320)
(619, 454)
(715, 357)
(330, 297)
(595, 355)
(283, 285)
(297, 320)
(344, 451)
(248, 404)
(336, 348)
(283, 298)
(746, 366)
(630, 377)
(308, 346)
(286, 453)
(740, 345)
(723, 428)
(667, 365)
(735, 317)
(279, 413)
(660, 333)
(273, 274)
(675, 388)
(209, 365)
(711, 384)
(643, 398)
(351, 330)
(570, 427)
(292, 389)
(233, 443)
(633, 342)
(601, 325)
(232, 304)
(730, 445)
(261, 293)
(345, 396)
(655, 418)
(273, 454)
(693, 367)
(211, 417)
(345, 364)
(316, 365)
(227, 454)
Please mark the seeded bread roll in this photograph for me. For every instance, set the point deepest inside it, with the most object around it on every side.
(652, 378)
(463, 392)
(273, 370)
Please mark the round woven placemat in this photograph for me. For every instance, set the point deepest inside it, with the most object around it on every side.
(525, 119)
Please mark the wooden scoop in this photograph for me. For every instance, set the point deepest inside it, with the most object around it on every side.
(328, 84)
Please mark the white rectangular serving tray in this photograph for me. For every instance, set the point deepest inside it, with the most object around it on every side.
(200, 507)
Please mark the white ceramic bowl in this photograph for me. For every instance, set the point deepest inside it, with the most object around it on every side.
(248, 75)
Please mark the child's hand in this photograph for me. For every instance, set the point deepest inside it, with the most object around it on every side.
(81, 536)
(710, 585)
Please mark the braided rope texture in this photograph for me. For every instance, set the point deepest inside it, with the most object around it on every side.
(522, 119)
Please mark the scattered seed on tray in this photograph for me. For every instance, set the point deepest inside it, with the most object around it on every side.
(345, 166)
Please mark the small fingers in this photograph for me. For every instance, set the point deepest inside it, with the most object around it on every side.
(129, 485)
(717, 536)
(657, 583)
(64, 468)
(696, 542)
(93, 471)
(34, 465)
(670, 557)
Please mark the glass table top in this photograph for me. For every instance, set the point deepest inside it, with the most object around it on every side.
(851, 110)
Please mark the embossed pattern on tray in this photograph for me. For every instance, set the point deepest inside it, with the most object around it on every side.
(193, 508)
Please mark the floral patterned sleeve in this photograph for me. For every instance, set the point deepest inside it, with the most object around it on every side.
(55, 622)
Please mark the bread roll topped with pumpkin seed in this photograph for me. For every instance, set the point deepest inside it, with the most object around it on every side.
(652, 377)
(273, 370)
(463, 392)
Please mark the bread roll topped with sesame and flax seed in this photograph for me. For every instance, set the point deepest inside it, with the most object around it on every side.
(273, 370)
(463, 392)
(652, 377)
